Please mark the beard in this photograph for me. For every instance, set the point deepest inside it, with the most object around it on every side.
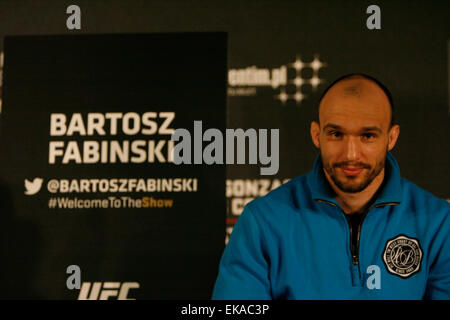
(351, 184)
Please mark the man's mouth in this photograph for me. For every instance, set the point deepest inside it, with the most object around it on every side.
(351, 171)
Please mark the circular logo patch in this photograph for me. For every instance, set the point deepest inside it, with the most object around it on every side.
(402, 256)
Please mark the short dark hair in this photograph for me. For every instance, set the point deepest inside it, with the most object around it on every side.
(364, 76)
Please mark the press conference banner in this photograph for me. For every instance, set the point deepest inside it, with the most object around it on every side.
(87, 173)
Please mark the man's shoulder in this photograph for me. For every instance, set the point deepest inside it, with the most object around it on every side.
(288, 197)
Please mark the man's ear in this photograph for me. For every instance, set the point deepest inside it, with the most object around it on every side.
(315, 131)
(394, 132)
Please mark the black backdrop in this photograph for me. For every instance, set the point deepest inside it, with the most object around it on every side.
(150, 233)
(410, 55)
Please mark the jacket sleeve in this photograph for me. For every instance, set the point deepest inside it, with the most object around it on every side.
(244, 269)
(438, 284)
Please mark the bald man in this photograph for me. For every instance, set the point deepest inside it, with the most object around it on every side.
(351, 228)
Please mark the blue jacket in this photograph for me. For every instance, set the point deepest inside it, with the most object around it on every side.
(294, 243)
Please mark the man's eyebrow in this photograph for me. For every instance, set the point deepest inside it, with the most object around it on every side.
(364, 129)
(332, 126)
(372, 128)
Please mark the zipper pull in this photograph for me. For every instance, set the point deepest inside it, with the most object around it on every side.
(355, 260)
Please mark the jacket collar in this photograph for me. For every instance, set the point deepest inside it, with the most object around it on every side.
(389, 192)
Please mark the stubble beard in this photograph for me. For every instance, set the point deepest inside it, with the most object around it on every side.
(344, 186)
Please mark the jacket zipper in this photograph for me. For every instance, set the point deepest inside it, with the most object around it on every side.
(356, 254)
(355, 251)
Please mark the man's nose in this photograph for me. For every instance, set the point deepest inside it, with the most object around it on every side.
(352, 148)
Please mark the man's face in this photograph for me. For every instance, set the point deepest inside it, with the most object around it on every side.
(354, 134)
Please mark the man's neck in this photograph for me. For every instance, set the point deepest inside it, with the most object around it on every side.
(360, 201)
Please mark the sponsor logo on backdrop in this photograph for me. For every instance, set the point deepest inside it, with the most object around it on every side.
(98, 290)
(107, 290)
(289, 83)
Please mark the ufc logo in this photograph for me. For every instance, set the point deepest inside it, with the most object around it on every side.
(109, 289)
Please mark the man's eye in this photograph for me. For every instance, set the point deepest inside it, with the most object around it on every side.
(368, 136)
(335, 134)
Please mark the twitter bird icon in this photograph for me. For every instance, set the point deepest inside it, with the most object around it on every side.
(33, 187)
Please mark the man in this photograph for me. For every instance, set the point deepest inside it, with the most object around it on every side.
(352, 228)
